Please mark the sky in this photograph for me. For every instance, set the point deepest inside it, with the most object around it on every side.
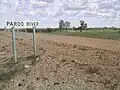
(96, 13)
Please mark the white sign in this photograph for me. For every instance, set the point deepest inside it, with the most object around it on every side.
(21, 24)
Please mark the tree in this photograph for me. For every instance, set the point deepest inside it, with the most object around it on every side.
(74, 28)
(114, 28)
(67, 24)
(49, 29)
(61, 24)
(83, 25)
(105, 27)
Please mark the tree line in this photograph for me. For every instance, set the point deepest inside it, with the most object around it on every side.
(64, 25)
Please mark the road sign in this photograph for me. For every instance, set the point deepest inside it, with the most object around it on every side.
(22, 24)
(14, 42)
(14, 25)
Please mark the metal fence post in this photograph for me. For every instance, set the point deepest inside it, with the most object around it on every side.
(34, 40)
(14, 44)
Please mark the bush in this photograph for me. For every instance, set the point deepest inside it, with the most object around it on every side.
(49, 29)
(74, 28)
(29, 30)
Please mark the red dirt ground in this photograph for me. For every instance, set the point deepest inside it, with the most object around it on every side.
(62, 63)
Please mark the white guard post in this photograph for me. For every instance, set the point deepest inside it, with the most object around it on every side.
(14, 44)
(34, 40)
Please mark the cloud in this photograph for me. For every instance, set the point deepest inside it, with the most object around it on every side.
(74, 8)
(106, 6)
(56, 9)
(117, 7)
(48, 1)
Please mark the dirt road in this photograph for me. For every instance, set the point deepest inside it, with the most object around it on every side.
(105, 44)
(83, 41)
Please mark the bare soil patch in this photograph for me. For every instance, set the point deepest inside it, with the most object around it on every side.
(57, 66)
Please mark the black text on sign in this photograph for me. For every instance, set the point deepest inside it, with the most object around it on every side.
(32, 24)
(8, 23)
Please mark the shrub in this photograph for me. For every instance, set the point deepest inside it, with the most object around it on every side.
(49, 29)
